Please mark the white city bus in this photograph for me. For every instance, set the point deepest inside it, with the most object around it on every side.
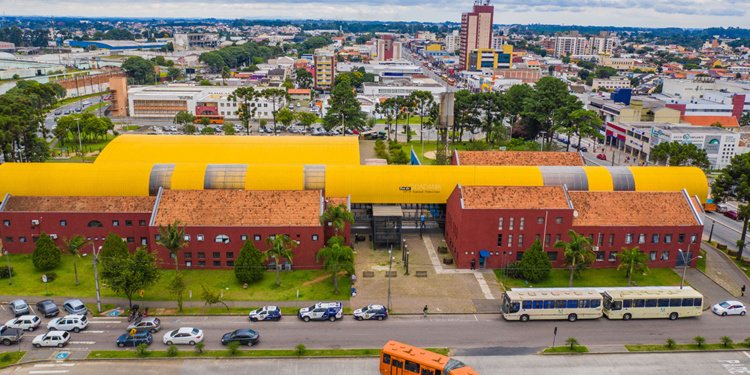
(547, 304)
(644, 303)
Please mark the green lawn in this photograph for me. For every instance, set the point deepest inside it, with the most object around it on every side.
(131, 127)
(28, 282)
(428, 146)
(88, 146)
(9, 358)
(566, 349)
(188, 352)
(659, 348)
(701, 263)
(95, 107)
(76, 98)
(413, 120)
(598, 277)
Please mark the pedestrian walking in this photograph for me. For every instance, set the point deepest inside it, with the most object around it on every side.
(425, 311)
(354, 279)
(473, 264)
(743, 290)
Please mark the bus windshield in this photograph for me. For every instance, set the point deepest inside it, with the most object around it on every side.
(452, 365)
(510, 307)
(607, 301)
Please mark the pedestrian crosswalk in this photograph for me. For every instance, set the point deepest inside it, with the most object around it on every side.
(51, 368)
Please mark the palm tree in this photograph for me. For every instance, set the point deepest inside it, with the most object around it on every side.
(337, 215)
(73, 247)
(336, 256)
(172, 238)
(632, 260)
(225, 73)
(281, 247)
(575, 250)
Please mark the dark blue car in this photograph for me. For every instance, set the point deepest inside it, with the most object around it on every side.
(138, 339)
(378, 312)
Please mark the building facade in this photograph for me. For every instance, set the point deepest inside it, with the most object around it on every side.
(453, 41)
(217, 223)
(324, 63)
(611, 83)
(494, 226)
(388, 49)
(491, 58)
(183, 41)
(721, 145)
(476, 30)
(573, 43)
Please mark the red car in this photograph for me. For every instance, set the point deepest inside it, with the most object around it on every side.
(601, 157)
(731, 214)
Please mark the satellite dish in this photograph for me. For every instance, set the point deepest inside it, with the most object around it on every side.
(575, 213)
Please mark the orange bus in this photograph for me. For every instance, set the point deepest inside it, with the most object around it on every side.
(401, 359)
(214, 119)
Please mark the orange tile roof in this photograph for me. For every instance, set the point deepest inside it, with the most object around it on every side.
(514, 197)
(239, 207)
(708, 120)
(298, 91)
(79, 204)
(631, 208)
(519, 158)
(335, 201)
(697, 204)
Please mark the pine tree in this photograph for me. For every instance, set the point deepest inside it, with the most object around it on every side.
(249, 264)
(46, 255)
(535, 265)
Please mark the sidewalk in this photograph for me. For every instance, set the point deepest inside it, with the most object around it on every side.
(732, 276)
(123, 302)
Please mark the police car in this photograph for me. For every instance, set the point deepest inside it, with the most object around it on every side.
(322, 311)
(371, 312)
(265, 313)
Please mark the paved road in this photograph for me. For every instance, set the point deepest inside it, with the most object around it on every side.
(456, 331)
(625, 364)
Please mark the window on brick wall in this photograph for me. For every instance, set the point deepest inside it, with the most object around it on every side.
(665, 255)
(652, 255)
(655, 238)
(611, 239)
(681, 238)
(520, 240)
(500, 224)
(642, 238)
(510, 240)
(612, 256)
(540, 220)
(511, 222)
(558, 220)
(629, 238)
(552, 256)
(667, 238)
(499, 240)
(522, 223)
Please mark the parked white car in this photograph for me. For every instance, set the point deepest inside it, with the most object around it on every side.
(184, 335)
(72, 322)
(729, 308)
(52, 338)
(25, 322)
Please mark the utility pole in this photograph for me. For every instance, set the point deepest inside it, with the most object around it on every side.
(96, 277)
(711, 234)
(390, 265)
(9, 272)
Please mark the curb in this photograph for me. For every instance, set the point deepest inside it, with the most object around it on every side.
(173, 358)
(653, 352)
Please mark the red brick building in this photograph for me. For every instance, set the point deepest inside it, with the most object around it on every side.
(494, 225)
(217, 222)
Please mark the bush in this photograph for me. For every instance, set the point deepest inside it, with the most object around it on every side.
(199, 346)
(142, 350)
(51, 276)
(700, 340)
(6, 272)
(535, 265)
(671, 343)
(511, 270)
(5, 357)
(46, 255)
(233, 347)
(249, 265)
(726, 340)
(300, 349)
(172, 351)
(747, 342)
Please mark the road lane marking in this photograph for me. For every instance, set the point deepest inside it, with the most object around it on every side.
(745, 353)
(82, 342)
(55, 364)
(92, 331)
(104, 321)
(49, 372)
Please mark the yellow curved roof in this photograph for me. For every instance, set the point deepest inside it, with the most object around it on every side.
(270, 150)
(365, 184)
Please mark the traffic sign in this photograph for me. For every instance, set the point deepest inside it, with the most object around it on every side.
(44, 278)
(142, 292)
(133, 332)
(62, 355)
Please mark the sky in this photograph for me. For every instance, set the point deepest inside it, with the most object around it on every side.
(634, 13)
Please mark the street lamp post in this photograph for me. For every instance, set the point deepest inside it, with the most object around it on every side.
(711, 234)
(390, 265)
(541, 146)
(80, 146)
(685, 264)
(7, 255)
(96, 276)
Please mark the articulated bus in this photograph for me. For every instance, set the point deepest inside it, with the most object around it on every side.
(641, 303)
(214, 119)
(547, 304)
(401, 359)
(590, 303)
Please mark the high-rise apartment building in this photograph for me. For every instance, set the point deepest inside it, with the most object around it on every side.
(602, 44)
(573, 43)
(388, 49)
(325, 69)
(476, 30)
(452, 41)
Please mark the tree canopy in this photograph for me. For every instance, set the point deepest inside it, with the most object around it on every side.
(676, 154)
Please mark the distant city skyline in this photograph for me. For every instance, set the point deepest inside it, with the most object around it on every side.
(620, 13)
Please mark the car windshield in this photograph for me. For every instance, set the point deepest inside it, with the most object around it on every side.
(233, 334)
(724, 305)
(311, 307)
(173, 332)
(21, 306)
(48, 304)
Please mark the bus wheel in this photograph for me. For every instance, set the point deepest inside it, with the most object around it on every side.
(673, 316)
(524, 318)
(626, 317)
(572, 317)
